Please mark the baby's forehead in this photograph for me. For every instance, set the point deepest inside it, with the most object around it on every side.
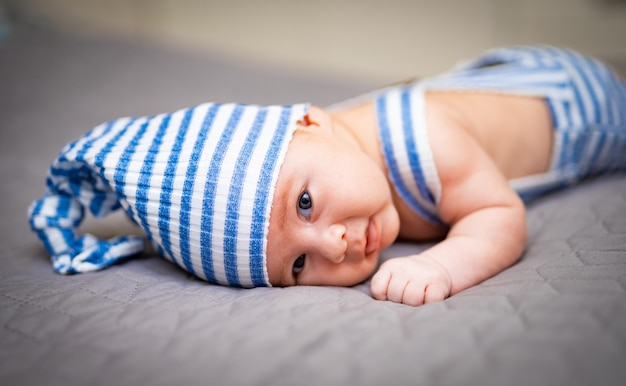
(302, 134)
(302, 139)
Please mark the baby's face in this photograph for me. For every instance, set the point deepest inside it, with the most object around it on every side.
(332, 211)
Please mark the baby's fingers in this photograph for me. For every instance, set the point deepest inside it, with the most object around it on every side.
(379, 284)
(395, 290)
(435, 292)
(413, 294)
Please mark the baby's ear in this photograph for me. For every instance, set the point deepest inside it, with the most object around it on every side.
(317, 117)
(304, 121)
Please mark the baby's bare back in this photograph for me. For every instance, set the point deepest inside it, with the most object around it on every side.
(515, 131)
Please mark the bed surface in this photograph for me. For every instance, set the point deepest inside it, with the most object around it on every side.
(558, 317)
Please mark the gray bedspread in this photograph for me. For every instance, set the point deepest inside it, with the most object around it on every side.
(558, 317)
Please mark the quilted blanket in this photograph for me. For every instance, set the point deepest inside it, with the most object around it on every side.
(558, 317)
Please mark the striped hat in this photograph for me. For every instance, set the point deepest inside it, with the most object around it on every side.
(199, 181)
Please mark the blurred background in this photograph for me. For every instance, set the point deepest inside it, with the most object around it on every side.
(360, 40)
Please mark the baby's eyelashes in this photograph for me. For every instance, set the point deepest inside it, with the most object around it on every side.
(305, 205)
(298, 265)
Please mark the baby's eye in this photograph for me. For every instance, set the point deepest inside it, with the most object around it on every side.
(305, 204)
(298, 265)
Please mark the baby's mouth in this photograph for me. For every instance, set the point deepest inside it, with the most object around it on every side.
(372, 237)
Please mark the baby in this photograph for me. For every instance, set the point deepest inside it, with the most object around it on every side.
(248, 196)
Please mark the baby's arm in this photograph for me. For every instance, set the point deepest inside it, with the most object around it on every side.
(488, 228)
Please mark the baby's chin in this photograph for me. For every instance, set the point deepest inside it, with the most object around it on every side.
(345, 281)
(364, 275)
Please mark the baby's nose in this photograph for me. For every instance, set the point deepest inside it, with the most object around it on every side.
(334, 244)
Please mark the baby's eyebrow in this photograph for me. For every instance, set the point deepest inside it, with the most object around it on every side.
(280, 203)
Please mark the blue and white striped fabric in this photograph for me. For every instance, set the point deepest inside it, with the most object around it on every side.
(199, 181)
(587, 101)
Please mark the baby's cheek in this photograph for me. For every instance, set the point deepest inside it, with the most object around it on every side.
(371, 269)
(274, 270)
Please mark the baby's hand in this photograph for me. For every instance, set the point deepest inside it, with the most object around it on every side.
(412, 280)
